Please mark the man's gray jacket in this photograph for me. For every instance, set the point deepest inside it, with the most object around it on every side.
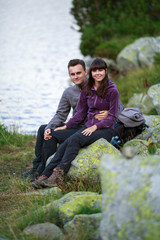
(67, 102)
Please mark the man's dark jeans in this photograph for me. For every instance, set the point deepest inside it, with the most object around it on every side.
(45, 148)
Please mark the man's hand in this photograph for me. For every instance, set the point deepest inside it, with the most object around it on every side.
(89, 131)
(101, 115)
(61, 128)
(47, 133)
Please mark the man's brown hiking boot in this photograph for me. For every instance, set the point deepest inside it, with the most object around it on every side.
(55, 179)
(37, 183)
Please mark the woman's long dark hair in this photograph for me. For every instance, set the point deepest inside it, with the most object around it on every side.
(97, 63)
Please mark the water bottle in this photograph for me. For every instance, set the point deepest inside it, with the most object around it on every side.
(115, 141)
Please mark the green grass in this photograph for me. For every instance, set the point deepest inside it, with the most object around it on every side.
(18, 210)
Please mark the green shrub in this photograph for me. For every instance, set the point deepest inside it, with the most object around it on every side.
(101, 21)
(111, 48)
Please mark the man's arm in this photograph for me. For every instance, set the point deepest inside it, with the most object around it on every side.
(62, 112)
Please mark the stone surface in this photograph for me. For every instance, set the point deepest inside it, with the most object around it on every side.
(131, 198)
(154, 94)
(72, 204)
(156, 134)
(84, 226)
(45, 230)
(143, 102)
(138, 145)
(87, 161)
(139, 54)
(152, 120)
(153, 131)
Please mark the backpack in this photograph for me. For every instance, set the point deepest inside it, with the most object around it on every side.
(129, 124)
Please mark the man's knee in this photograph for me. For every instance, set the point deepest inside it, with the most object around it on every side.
(42, 129)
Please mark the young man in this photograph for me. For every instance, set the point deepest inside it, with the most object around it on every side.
(47, 138)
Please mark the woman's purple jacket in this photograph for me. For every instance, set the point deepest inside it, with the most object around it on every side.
(89, 106)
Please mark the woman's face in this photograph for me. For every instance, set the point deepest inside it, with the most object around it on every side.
(98, 74)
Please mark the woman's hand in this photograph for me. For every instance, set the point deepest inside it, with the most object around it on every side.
(61, 128)
(89, 131)
(101, 115)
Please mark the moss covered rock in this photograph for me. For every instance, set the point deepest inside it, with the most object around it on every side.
(139, 54)
(152, 120)
(153, 123)
(131, 198)
(141, 146)
(143, 102)
(138, 144)
(84, 226)
(75, 203)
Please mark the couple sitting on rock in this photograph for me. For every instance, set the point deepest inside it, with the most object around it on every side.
(93, 118)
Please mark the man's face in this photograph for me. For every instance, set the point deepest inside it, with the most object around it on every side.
(77, 74)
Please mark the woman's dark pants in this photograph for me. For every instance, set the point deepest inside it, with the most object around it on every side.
(68, 150)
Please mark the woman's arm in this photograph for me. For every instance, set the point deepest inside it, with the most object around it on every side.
(80, 114)
(81, 111)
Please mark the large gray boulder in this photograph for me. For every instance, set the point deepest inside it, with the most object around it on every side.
(143, 102)
(131, 198)
(139, 54)
(146, 102)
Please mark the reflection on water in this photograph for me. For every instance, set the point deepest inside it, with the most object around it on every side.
(36, 43)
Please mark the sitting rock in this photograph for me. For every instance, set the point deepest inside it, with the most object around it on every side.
(131, 197)
(87, 161)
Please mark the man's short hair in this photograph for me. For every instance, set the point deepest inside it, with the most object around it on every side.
(74, 62)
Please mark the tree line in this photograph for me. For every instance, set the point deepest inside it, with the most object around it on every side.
(109, 25)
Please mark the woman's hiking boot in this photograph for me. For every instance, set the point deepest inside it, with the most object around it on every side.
(37, 183)
(55, 179)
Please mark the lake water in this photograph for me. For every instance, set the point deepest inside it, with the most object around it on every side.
(37, 40)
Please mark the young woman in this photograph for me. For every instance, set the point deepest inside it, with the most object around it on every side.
(98, 94)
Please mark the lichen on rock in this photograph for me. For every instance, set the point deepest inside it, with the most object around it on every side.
(130, 202)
